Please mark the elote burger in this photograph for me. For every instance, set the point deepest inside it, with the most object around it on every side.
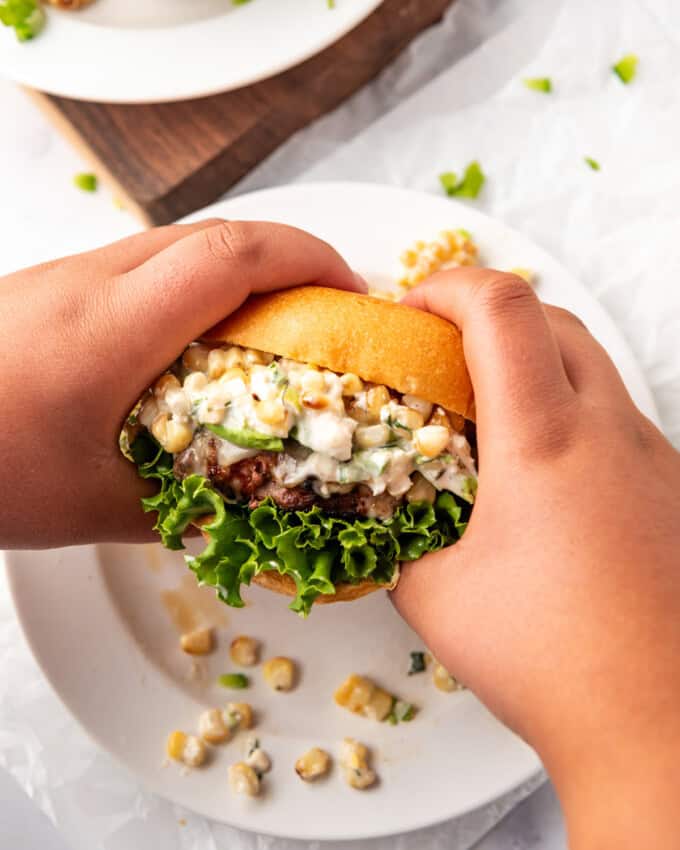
(318, 438)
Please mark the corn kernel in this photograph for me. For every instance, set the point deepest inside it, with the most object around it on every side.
(148, 412)
(198, 642)
(186, 748)
(251, 356)
(164, 383)
(443, 680)
(257, 758)
(195, 358)
(244, 651)
(175, 745)
(195, 382)
(313, 764)
(243, 779)
(315, 401)
(312, 381)
(418, 404)
(431, 440)
(376, 398)
(212, 727)
(216, 363)
(279, 673)
(371, 436)
(233, 357)
(351, 384)
(173, 436)
(233, 373)
(271, 412)
(409, 257)
(239, 715)
(362, 696)
(354, 761)
(439, 417)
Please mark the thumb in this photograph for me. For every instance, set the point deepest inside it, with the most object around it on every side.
(157, 309)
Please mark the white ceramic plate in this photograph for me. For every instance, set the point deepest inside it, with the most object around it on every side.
(126, 51)
(96, 622)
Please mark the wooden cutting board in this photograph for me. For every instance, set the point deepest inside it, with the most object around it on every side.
(166, 160)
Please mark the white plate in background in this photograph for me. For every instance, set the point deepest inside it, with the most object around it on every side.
(126, 51)
(96, 622)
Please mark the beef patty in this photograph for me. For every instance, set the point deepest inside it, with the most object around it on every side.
(251, 480)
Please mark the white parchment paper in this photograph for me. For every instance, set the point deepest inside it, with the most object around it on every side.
(616, 229)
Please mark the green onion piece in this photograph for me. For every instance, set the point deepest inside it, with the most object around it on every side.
(449, 181)
(469, 187)
(331, 4)
(86, 182)
(593, 163)
(626, 68)
(464, 233)
(402, 712)
(542, 84)
(247, 439)
(25, 16)
(417, 663)
(233, 680)
(470, 489)
(239, 2)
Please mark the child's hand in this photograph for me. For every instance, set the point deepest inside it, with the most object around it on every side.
(80, 340)
(560, 607)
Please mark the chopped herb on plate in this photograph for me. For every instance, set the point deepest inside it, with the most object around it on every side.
(542, 84)
(86, 182)
(26, 16)
(468, 187)
(417, 663)
(593, 163)
(233, 680)
(402, 712)
(626, 68)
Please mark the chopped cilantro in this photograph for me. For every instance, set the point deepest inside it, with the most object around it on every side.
(402, 712)
(542, 84)
(86, 182)
(626, 68)
(469, 187)
(593, 163)
(417, 663)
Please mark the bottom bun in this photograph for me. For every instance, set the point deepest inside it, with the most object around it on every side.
(278, 583)
(344, 591)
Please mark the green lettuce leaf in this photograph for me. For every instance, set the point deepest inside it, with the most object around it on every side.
(316, 550)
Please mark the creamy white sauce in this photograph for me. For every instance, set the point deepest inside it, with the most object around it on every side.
(313, 412)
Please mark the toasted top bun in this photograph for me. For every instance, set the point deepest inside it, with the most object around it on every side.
(406, 349)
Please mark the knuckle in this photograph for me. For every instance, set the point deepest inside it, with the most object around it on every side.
(560, 314)
(505, 294)
(233, 242)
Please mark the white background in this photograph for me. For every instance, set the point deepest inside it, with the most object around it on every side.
(616, 229)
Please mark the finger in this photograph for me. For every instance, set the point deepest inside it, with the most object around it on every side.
(511, 354)
(170, 300)
(431, 596)
(126, 254)
(589, 368)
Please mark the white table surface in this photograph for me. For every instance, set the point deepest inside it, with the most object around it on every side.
(619, 235)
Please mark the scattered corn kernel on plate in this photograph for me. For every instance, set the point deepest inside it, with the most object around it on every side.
(161, 50)
(243, 715)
